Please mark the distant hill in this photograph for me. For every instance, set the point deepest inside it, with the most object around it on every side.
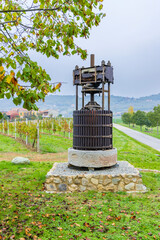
(65, 104)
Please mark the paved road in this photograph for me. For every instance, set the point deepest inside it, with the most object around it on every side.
(141, 137)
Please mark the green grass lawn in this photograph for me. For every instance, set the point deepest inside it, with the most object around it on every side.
(66, 134)
(138, 154)
(27, 212)
(130, 150)
(54, 144)
(48, 144)
(8, 144)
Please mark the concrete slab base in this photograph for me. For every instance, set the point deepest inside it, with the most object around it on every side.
(122, 177)
(92, 159)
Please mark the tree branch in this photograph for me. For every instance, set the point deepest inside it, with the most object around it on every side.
(30, 10)
(7, 22)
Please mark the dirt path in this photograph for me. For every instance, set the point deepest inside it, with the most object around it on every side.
(141, 137)
(35, 157)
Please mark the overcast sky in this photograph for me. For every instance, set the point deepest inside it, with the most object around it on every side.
(129, 36)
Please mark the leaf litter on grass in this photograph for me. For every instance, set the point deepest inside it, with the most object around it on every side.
(30, 213)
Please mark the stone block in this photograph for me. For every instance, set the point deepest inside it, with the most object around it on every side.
(92, 188)
(63, 178)
(139, 181)
(94, 181)
(62, 187)
(48, 180)
(100, 181)
(51, 187)
(20, 160)
(130, 186)
(73, 188)
(100, 187)
(110, 187)
(134, 179)
(82, 188)
(77, 181)
(115, 181)
(88, 176)
(140, 187)
(127, 180)
(107, 181)
(92, 159)
(57, 180)
(70, 180)
(121, 187)
(84, 181)
(110, 179)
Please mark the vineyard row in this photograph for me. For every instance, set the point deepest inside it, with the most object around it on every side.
(31, 131)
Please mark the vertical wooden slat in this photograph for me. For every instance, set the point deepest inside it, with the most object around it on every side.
(91, 130)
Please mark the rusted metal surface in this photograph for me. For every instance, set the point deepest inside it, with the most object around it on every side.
(94, 74)
(109, 97)
(92, 60)
(92, 125)
(92, 130)
(77, 97)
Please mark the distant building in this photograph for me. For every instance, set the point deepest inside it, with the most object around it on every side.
(12, 114)
(44, 113)
(25, 113)
(49, 113)
(22, 112)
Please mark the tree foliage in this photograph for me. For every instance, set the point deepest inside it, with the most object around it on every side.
(156, 110)
(140, 118)
(151, 119)
(50, 27)
(131, 110)
(127, 118)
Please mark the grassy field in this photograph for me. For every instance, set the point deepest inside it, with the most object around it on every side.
(28, 212)
(48, 144)
(136, 153)
(54, 144)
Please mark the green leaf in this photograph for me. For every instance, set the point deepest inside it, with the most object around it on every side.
(8, 95)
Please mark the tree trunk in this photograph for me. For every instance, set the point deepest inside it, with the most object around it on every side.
(33, 143)
(141, 128)
(157, 128)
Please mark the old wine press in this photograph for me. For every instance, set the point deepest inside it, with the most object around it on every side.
(92, 124)
(92, 162)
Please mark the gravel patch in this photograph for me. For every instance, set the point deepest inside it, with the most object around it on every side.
(121, 168)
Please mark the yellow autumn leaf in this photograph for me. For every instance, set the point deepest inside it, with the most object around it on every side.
(15, 36)
(1, 68)
(8, 79)
(12, 74)
(21, 88)
(2, 75)
(58, 86)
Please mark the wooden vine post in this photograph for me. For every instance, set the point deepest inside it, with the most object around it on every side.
(37, 136)
(15, 127)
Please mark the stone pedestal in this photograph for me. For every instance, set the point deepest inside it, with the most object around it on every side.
(92, 159)
(121, 177)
